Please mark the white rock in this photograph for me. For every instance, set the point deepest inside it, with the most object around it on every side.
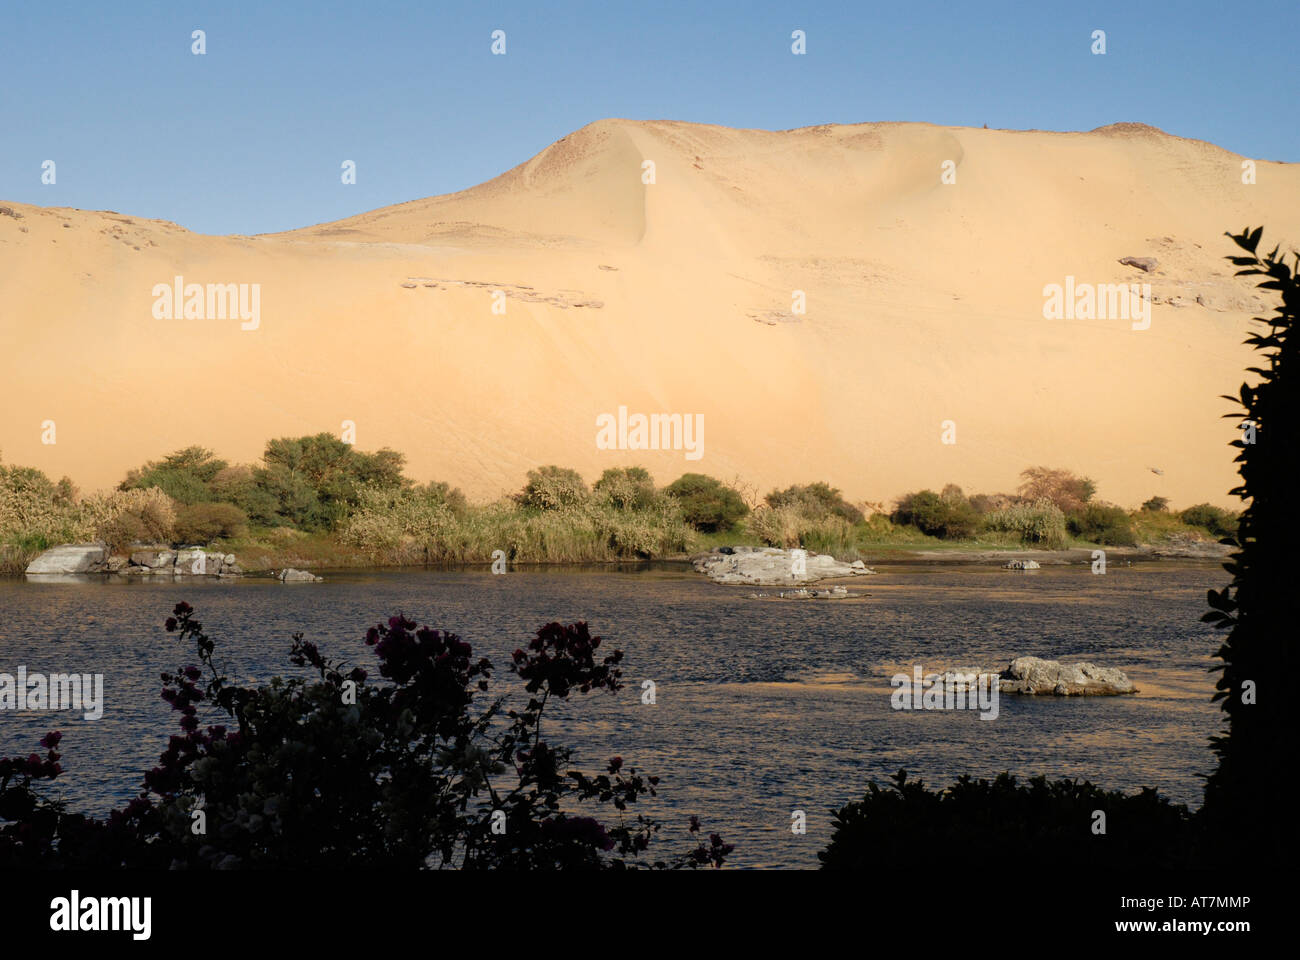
(70, 558)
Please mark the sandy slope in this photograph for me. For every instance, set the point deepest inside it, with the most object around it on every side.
(924, 304)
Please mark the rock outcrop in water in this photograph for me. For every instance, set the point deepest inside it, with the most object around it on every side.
(771, 566)
(1021, 565)
(90, 558)
(290, 575)
(1034, 676)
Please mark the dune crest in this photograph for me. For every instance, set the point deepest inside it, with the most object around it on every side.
(924, 304)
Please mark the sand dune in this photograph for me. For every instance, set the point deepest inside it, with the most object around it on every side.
(924, 304)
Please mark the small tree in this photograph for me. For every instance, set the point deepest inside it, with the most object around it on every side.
(1244, 805)
(707, 504)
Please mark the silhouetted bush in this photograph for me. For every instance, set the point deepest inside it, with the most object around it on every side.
(1001, 822)
(707, 504)
(424, 768)
(1246, 807)
(1156, 505)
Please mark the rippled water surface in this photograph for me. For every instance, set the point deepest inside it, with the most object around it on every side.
(763, 707)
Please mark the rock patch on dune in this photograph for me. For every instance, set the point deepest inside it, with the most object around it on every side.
(772, 566)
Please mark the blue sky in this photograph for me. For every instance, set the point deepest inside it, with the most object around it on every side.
(249, 138)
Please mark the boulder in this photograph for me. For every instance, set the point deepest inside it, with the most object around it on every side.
(153, 559)
(70, 558)
(115, 564)
(771, 566)
(290, 575)
(1034, 676)
(1145, 264)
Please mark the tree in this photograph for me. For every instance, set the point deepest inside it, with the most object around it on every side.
(1065, 489)
(707, 504)
(1244, 804)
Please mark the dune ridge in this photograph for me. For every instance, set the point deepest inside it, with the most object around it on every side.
(924, 304)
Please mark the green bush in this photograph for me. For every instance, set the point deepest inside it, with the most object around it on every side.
(1156, 505)
(184, 476)
(1216, 521)
(1038, 524)
(707, 504)
(1103, 523)
(201, 523)
(553, 488)
(950, 518)
(626, 488)
(815, 501)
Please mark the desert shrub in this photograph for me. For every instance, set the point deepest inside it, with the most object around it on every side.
(185, 475)
(1039, 524)
(1214, 520)
(627, 488)
(201, 523)
(1102, 523)
(316, 480)
(1065, 489)
(986, 503)
(36, 513)
(330, 768)
(551, 488)
(1156, 505)
(238, 485)
(815, 500)
(707, 504)
(985, 818)
(951, 518)
(124, 517)
(387, 518)
(777, 526)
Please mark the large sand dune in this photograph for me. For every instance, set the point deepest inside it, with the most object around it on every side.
(924, 304)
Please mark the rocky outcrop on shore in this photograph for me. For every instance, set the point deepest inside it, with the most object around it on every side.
(772, 566)
(1034, 676)
(144, 561)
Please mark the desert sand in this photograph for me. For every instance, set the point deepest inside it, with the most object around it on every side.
(924, 303)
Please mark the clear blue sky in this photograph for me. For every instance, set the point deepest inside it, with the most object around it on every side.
(249, 138)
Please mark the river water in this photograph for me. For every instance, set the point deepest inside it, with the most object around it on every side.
(762, 707)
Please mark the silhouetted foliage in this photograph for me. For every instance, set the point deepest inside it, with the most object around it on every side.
(1156, 505)
(420, 769)
(998, 822)
(1245, 804)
